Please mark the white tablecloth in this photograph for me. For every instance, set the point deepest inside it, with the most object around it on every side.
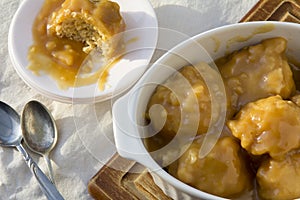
(78, 155)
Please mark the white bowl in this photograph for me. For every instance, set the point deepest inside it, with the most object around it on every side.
(128, 111)
(140, 35)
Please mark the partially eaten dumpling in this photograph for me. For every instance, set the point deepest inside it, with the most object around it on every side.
(95, 24)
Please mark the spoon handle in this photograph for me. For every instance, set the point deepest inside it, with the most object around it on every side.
(49, 165)
(47, 187)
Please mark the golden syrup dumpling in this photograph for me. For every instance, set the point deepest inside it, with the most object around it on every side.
(180, 99)
(94, 24)
(222, 172)
(270, 125)
(279, 179)
(257, 72)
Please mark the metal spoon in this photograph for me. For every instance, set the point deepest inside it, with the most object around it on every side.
(11, 136)
(39, 131)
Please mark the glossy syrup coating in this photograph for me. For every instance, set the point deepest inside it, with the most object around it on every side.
(257, 72)
(279, 178)
(64, 34)
(270, 125)
(222, 172)
(176, 97)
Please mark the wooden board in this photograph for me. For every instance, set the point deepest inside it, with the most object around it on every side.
(110, 183)
(274, 10)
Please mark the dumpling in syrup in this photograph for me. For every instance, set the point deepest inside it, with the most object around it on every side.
(94, 24)
(222, 172)
(270, 125)
(257, 72)
(177, 97)
(279, 179)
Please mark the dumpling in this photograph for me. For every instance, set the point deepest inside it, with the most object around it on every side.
(95, 24)
(270, 125)
(177, 97)
(279, 179)
(222, 172)
(256, 72)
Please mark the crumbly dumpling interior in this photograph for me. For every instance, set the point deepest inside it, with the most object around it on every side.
(95, 24)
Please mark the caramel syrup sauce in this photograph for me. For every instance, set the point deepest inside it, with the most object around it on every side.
(61, 58)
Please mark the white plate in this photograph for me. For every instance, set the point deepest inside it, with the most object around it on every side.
(141, 29)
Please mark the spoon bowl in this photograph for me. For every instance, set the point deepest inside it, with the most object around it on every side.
(11, 136)
(39, 131)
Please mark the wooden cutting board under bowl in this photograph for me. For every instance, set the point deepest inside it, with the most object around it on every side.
(110, 183)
